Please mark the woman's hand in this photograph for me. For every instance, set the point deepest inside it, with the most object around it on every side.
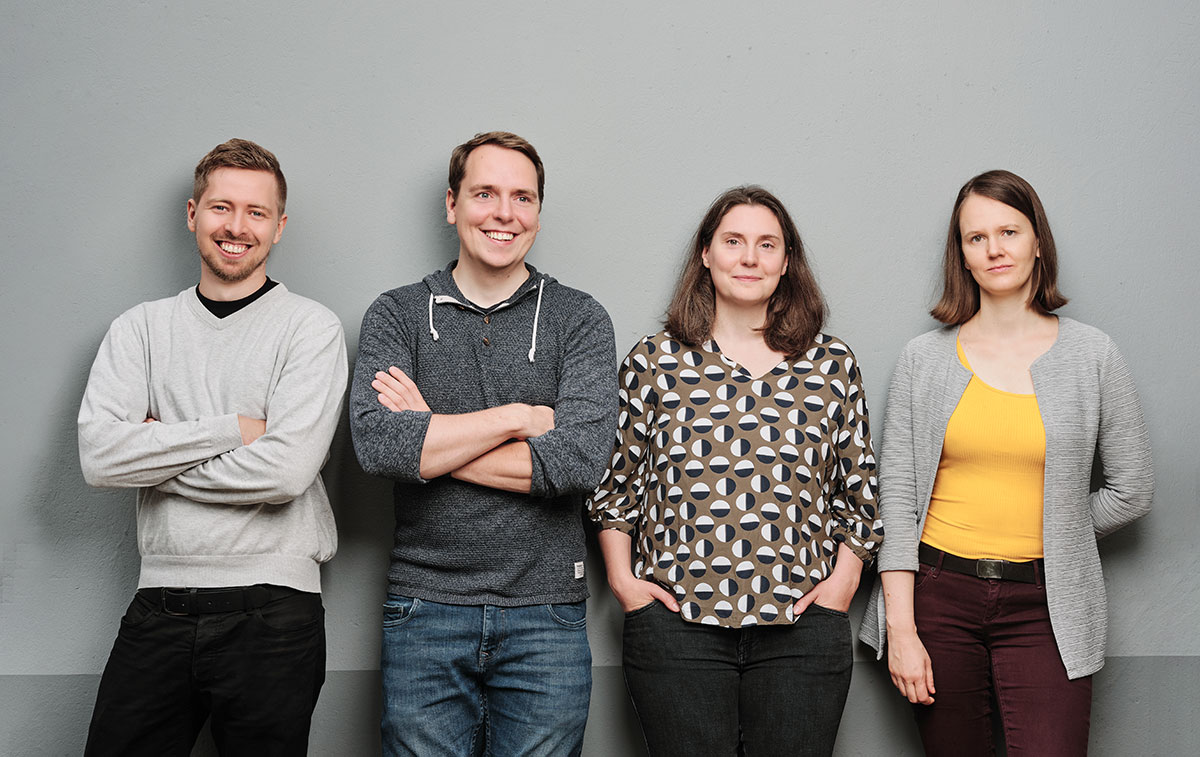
(908, 662)
(631, 592)
(634, 593)
(837, 591)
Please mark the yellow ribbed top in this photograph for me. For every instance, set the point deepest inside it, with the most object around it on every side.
(987, 497)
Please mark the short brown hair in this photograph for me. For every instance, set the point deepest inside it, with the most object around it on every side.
(960, 293)
(239, 153)
(796, 310)
(458, 158)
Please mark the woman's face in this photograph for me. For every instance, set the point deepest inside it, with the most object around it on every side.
(1000, 248)
(746, 257)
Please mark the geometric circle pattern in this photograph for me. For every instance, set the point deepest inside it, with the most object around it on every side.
(737, 490)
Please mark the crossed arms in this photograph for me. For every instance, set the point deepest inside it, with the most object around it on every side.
(515, 447)
(484, 447)
(128, 437)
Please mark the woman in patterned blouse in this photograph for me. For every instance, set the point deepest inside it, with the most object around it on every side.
(739, 506)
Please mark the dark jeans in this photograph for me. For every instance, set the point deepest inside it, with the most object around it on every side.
(705, 690)
(984, 634)
(256, 672)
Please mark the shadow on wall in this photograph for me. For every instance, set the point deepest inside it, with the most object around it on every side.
(85, 539)
(362, 504)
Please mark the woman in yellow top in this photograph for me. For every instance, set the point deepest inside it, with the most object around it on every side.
(991, 429)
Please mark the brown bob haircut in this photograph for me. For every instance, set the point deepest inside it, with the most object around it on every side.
(458, 158)
(795, 312)
(960, 293)
(239, 153)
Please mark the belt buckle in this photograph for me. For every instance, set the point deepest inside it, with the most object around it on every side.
(183, 595)
(993, 569)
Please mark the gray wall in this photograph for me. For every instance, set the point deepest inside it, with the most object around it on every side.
(865, 119)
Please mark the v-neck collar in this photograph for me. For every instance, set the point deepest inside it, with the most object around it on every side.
(783, 366)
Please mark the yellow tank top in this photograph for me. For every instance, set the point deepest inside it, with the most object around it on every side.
(987, 497)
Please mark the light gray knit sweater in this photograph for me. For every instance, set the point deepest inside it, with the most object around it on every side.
(1088, 403)
(211, 511)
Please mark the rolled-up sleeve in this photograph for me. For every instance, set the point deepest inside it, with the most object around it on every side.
(387, 443)
(570, 458)
(617, 502)
(855, 514)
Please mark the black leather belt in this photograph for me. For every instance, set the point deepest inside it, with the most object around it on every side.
(1003, 570)
(203, 601)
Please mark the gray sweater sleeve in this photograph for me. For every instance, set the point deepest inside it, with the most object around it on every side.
(117, 448)
(302, 415)
(900, 507)
(571, 457)
(1124, 446)
(387, 443)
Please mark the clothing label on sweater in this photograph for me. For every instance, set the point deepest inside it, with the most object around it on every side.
(579, 569)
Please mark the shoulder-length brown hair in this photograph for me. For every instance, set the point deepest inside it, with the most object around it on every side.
(796, 310)
(960, 292)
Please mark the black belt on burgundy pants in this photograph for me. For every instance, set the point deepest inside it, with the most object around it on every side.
(1004, 570)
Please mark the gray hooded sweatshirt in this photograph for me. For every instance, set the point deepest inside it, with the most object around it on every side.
(547, 344)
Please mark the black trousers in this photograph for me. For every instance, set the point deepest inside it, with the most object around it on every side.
(769, 690)
(257, 673)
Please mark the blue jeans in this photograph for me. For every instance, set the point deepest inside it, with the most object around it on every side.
(482, 679)
(707, 690)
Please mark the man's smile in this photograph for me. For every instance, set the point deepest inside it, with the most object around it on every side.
(233, 248)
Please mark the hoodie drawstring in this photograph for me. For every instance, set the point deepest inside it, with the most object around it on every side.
(432, 330)
(536, 313)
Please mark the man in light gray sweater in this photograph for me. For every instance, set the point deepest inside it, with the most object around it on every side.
(487, 392)
(218, 405)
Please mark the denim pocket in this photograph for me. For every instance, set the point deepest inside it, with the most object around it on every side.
(139, 611)
(828, 610)
(572, 615)
(299, 612)
(639, 610)
(924, 572)
(397, 610)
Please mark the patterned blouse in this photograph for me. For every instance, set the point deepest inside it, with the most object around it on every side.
(738, 490)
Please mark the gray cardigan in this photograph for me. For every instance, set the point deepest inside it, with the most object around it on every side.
(1088, 404)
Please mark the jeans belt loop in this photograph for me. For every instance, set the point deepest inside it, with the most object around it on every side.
(256, 596)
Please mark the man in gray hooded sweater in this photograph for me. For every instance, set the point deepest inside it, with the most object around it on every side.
(487, 392)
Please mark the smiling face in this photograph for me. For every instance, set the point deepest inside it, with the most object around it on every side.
(746, 257)
(235, 221)
(495, 211)
(999, 247)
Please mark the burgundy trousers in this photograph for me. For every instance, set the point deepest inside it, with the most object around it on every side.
(990, 641)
